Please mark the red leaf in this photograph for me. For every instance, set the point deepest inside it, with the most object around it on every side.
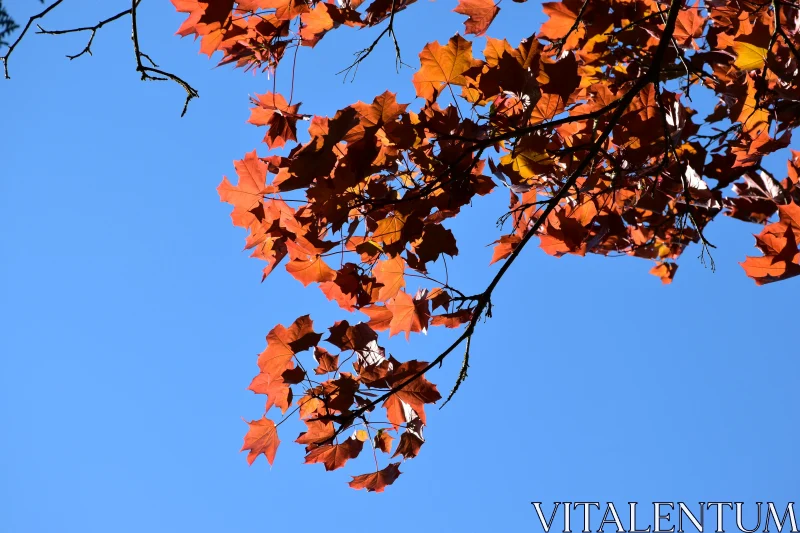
(409, 445)
(383, 441)
(335, 455)
(377, 481)
(481, 13)
(452, 320)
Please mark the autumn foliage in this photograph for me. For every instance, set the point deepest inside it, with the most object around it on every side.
(588, 127)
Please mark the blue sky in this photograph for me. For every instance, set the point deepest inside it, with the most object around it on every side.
(132, 319)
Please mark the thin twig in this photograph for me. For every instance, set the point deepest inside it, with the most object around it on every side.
(4, 58)
(93, 29)
(147, 72)
(361, 55)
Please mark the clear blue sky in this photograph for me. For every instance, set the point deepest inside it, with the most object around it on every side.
(131, 321)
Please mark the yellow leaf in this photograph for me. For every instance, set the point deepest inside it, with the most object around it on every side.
(524, 162)
(362, 435)
(749, 56)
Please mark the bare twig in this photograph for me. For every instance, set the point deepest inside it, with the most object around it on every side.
(39, 15)
(93, 29)
(361, 55)
(154, 73)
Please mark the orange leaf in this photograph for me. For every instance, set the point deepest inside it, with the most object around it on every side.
(262, 437)
(273, 111)
(325, 361)
(561, 19)
(317, 433)
(380, 318)
(389, 273)
(665, 271)
(383, 110)
(408, 315)
(248, 193)
(441, 66)
(504, 247)
(283, 343)
(310, 271)
(278, 392)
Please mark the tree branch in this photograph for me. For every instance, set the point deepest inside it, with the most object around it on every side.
(148, 72)
(93, 29)
(4, 58)
(484, 300)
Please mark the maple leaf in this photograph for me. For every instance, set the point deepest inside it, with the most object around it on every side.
(389, 273)
(339, 393)
(409, 445)
(318, 433)
(383, 441)
(273, 111)
(248, 193)
(480, 15)
(206, 19)
(380, 318)
(408, 315)
(284, 9)
(689, 27)
(383, 110)
(665, 271)
(434, 242)
(504, 247)
(398, 412)
(309, 271)
(325, 361)
(560, 77)
(749, 56)
(561, 18)
(283, 343)
(452, 320)
(416, 392)
(320, 20)
(278, 392)
(377, 481)
(769, 269)
(262, 437)
(389, 230)
(335, 456)
(778, 241)
(441, 66)
(347, 337)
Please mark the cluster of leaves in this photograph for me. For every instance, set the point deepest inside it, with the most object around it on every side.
(587, 125)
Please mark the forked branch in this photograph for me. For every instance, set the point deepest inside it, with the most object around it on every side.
(13, 45)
